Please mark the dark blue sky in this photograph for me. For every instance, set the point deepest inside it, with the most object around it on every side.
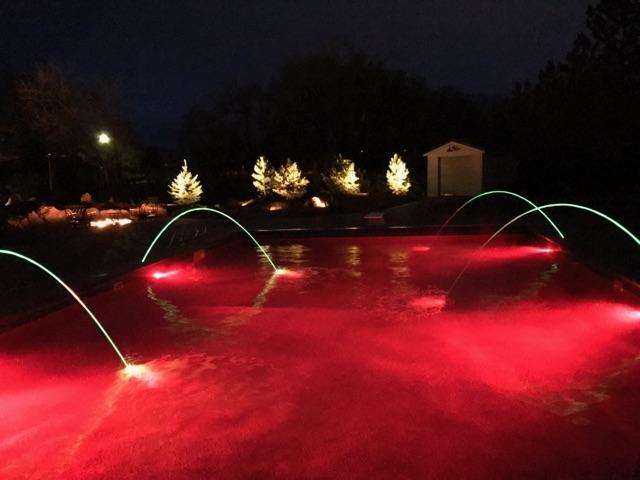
(171, 53)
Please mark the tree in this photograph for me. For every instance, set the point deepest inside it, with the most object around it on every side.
(575, 127)
(342, 177)
(262, 176)
(185, 188)
(398, 176)
(326, 102)
(53, 121)
(225, 133)
(288, 181)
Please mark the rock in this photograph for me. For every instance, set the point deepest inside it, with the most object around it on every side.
(18, 222)
(153, 209)
(275, 206)
(317, 202)
(52, 214)
(34, 219)
(92, 212)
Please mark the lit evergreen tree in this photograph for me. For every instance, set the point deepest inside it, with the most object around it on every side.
(288, 181)
(185, 188)
(262, 176)
(398, 176)
(342, 177)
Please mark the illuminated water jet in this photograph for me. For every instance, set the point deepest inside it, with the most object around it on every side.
(500, 192)
(160, 275)
(539, 209)
(284, 272)
(629, 314)
(76, 298)
(136, 371)
(211, 210)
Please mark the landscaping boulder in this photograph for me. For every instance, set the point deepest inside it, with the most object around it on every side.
(51, 214)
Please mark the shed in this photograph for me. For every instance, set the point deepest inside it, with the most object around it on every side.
(454, 168)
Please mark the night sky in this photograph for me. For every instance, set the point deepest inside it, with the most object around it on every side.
(171, 54)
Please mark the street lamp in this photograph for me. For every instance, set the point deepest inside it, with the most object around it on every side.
(104, 138)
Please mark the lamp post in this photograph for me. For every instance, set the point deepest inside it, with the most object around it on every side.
(50, 165)
(104, 140)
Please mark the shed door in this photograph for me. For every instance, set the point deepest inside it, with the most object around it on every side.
(458, 175)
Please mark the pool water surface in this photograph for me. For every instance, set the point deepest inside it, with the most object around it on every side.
(356, 363)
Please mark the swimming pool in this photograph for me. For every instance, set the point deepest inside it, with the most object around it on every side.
(357, 363)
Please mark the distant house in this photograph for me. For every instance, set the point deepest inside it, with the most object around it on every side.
(454, 168)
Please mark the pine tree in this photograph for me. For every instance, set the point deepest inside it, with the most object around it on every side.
(288, 181)
(262, 176)
(185, 188)
(398, 176)
(342, 177)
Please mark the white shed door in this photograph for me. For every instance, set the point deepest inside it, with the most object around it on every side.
(459, 175)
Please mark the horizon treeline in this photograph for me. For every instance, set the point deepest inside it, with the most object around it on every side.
(573, 129)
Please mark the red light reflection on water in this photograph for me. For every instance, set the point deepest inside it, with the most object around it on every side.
(513, 252)
(429, 302)
(534, 346)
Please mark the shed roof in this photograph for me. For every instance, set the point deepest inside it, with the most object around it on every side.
(451, 144)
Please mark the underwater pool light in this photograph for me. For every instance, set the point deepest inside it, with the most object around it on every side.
(285, 272)
(429, 302)
(143, 373)
(630, 315)
(134, 371)
(546, 249)
(158, 275)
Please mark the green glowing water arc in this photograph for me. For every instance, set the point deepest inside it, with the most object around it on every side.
(500, 192)
(212, 210)
(73, 294)
(538, 209)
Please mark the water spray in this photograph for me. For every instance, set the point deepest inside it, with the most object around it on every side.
(501, 192)
(539, 209)
(127, 366)
(211, 210)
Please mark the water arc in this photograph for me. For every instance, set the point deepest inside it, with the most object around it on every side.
(537, 209)
(500, 192)
(73, 294)
(211, 210)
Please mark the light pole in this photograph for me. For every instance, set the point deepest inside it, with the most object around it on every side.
(50, 165)
(104, 140)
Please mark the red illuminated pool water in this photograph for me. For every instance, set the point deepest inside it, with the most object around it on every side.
(355, 365)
